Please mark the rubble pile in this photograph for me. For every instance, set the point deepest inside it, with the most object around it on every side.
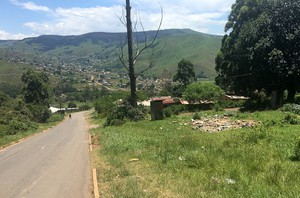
(215, 124)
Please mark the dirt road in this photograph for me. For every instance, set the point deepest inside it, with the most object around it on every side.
(52, 164)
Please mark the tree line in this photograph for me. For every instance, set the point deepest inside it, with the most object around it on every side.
(261, 48)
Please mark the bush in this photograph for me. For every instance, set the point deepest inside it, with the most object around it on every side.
(197, 116)
(217, 107)
(104, 106)
(40, 113)
(294, 108)
(167, 112)
(72, 105)
(13, 122)
(257, 101)
(84, 107)
(196, 92)
(290, 119)
(173, 110)
(123, 112)
(3, 130)
(232, 103)
(56, 117)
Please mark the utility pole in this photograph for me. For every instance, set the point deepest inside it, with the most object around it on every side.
(132, 77)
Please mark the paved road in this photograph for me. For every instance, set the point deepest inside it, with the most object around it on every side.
(52, 164)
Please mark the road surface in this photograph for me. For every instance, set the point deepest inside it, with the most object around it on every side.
(52, 164)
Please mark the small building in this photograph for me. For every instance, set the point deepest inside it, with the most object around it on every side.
(233, 97)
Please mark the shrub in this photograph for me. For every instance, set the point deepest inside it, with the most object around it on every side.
(168, 112)
(196, 92)
(104, 106)
(123, 112)
(16, 126)
(197, 116)
(3, 130)
(13, 121)
(84, 107)
(173, 110)
(218, 107)
(257, 101)
(294, 108)
(40, 113)
(290, 119)
(232, 103)
(56, 117)
(72, 105)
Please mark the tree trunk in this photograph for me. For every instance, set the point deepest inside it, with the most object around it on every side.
(291, 93)
(132, 77)
(277, 99)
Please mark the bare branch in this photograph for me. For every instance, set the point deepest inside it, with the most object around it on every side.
(136, 40)
(153, 59)
(121, 56)
(155, 37)
(121, 18)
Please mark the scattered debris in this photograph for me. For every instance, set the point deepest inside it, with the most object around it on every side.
(134, 160)
(230, 181)
(215, 180)
(181, 158)
(221, 123)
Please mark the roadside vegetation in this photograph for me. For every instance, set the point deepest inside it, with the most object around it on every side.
(24, 107)
(169, 159)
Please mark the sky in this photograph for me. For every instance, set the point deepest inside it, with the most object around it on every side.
(29, 18)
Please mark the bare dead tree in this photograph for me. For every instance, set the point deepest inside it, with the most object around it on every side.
(135, 50)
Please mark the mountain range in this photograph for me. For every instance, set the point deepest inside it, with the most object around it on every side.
(100, 50)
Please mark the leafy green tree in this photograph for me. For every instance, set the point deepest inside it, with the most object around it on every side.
(185, 73)
(261, 49)
(72, 105)
(3, 98)
(36, 90)
(10, 89)
(196, 92)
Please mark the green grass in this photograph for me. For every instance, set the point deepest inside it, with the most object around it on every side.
(11, 139)
(12, 72)
(176, 161)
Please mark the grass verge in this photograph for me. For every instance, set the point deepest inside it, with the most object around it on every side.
(169, 159)
(11, 139)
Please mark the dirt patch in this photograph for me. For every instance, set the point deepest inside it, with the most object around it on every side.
(221, 123)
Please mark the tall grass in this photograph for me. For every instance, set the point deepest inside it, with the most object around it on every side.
(176, 161)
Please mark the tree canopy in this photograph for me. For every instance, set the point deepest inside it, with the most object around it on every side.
(261, 48)
(185, 72)
(196, 92)
(35, 88)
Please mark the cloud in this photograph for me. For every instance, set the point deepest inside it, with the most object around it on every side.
(80, 20)
(200, 15)
(8, 36)
(30, 6)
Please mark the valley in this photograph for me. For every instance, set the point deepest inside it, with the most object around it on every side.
(93, 57)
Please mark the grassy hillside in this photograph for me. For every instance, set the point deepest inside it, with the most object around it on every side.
(200, 49)
(11, 72)
(100, 50)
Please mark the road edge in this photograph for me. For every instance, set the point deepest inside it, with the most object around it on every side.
(94, 170)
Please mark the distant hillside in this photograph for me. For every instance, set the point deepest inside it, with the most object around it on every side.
(100, 50)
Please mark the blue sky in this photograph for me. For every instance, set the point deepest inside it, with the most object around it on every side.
(27, 18)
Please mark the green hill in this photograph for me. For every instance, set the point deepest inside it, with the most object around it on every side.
(100, 50)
